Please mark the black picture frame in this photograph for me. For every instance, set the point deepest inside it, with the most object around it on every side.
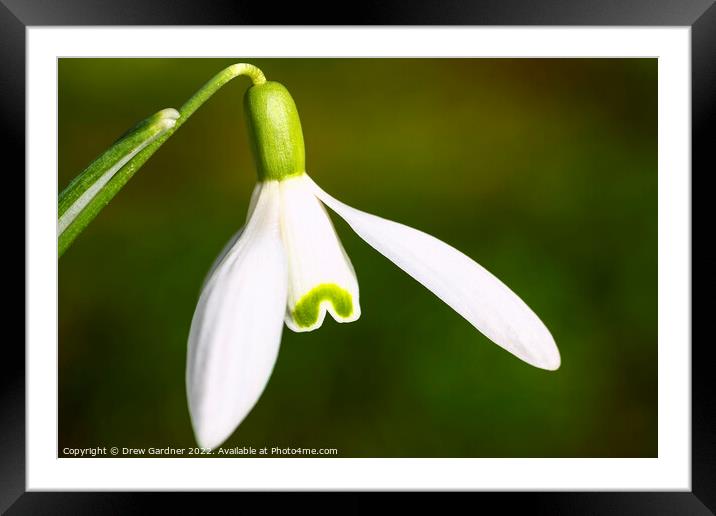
(17, 15)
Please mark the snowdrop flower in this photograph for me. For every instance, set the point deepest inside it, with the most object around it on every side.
(287, 265)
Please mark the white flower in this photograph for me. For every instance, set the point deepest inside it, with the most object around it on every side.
(287, 265)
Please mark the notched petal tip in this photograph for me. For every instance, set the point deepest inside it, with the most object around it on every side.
(310, 310)
(320, 275)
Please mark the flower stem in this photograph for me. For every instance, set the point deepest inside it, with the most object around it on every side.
(89, 192)
(215, 83)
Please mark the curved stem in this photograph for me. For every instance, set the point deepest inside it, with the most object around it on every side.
(215, 83)
(202, 95)
(88, 193)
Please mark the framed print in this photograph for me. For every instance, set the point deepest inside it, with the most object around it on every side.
(184, 286)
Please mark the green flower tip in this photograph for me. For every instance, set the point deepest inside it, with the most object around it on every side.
(307, 310)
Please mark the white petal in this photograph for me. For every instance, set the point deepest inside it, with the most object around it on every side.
(236, 329)
(469, 289)
(235, 237)
(320, 275)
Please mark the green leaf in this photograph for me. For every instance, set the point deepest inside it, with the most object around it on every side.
(89, 192)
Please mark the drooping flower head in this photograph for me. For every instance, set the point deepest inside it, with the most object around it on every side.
(287, 265)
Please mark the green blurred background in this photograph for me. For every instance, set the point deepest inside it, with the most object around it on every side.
(543, 170)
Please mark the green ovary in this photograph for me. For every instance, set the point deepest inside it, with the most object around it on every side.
(306, 312)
